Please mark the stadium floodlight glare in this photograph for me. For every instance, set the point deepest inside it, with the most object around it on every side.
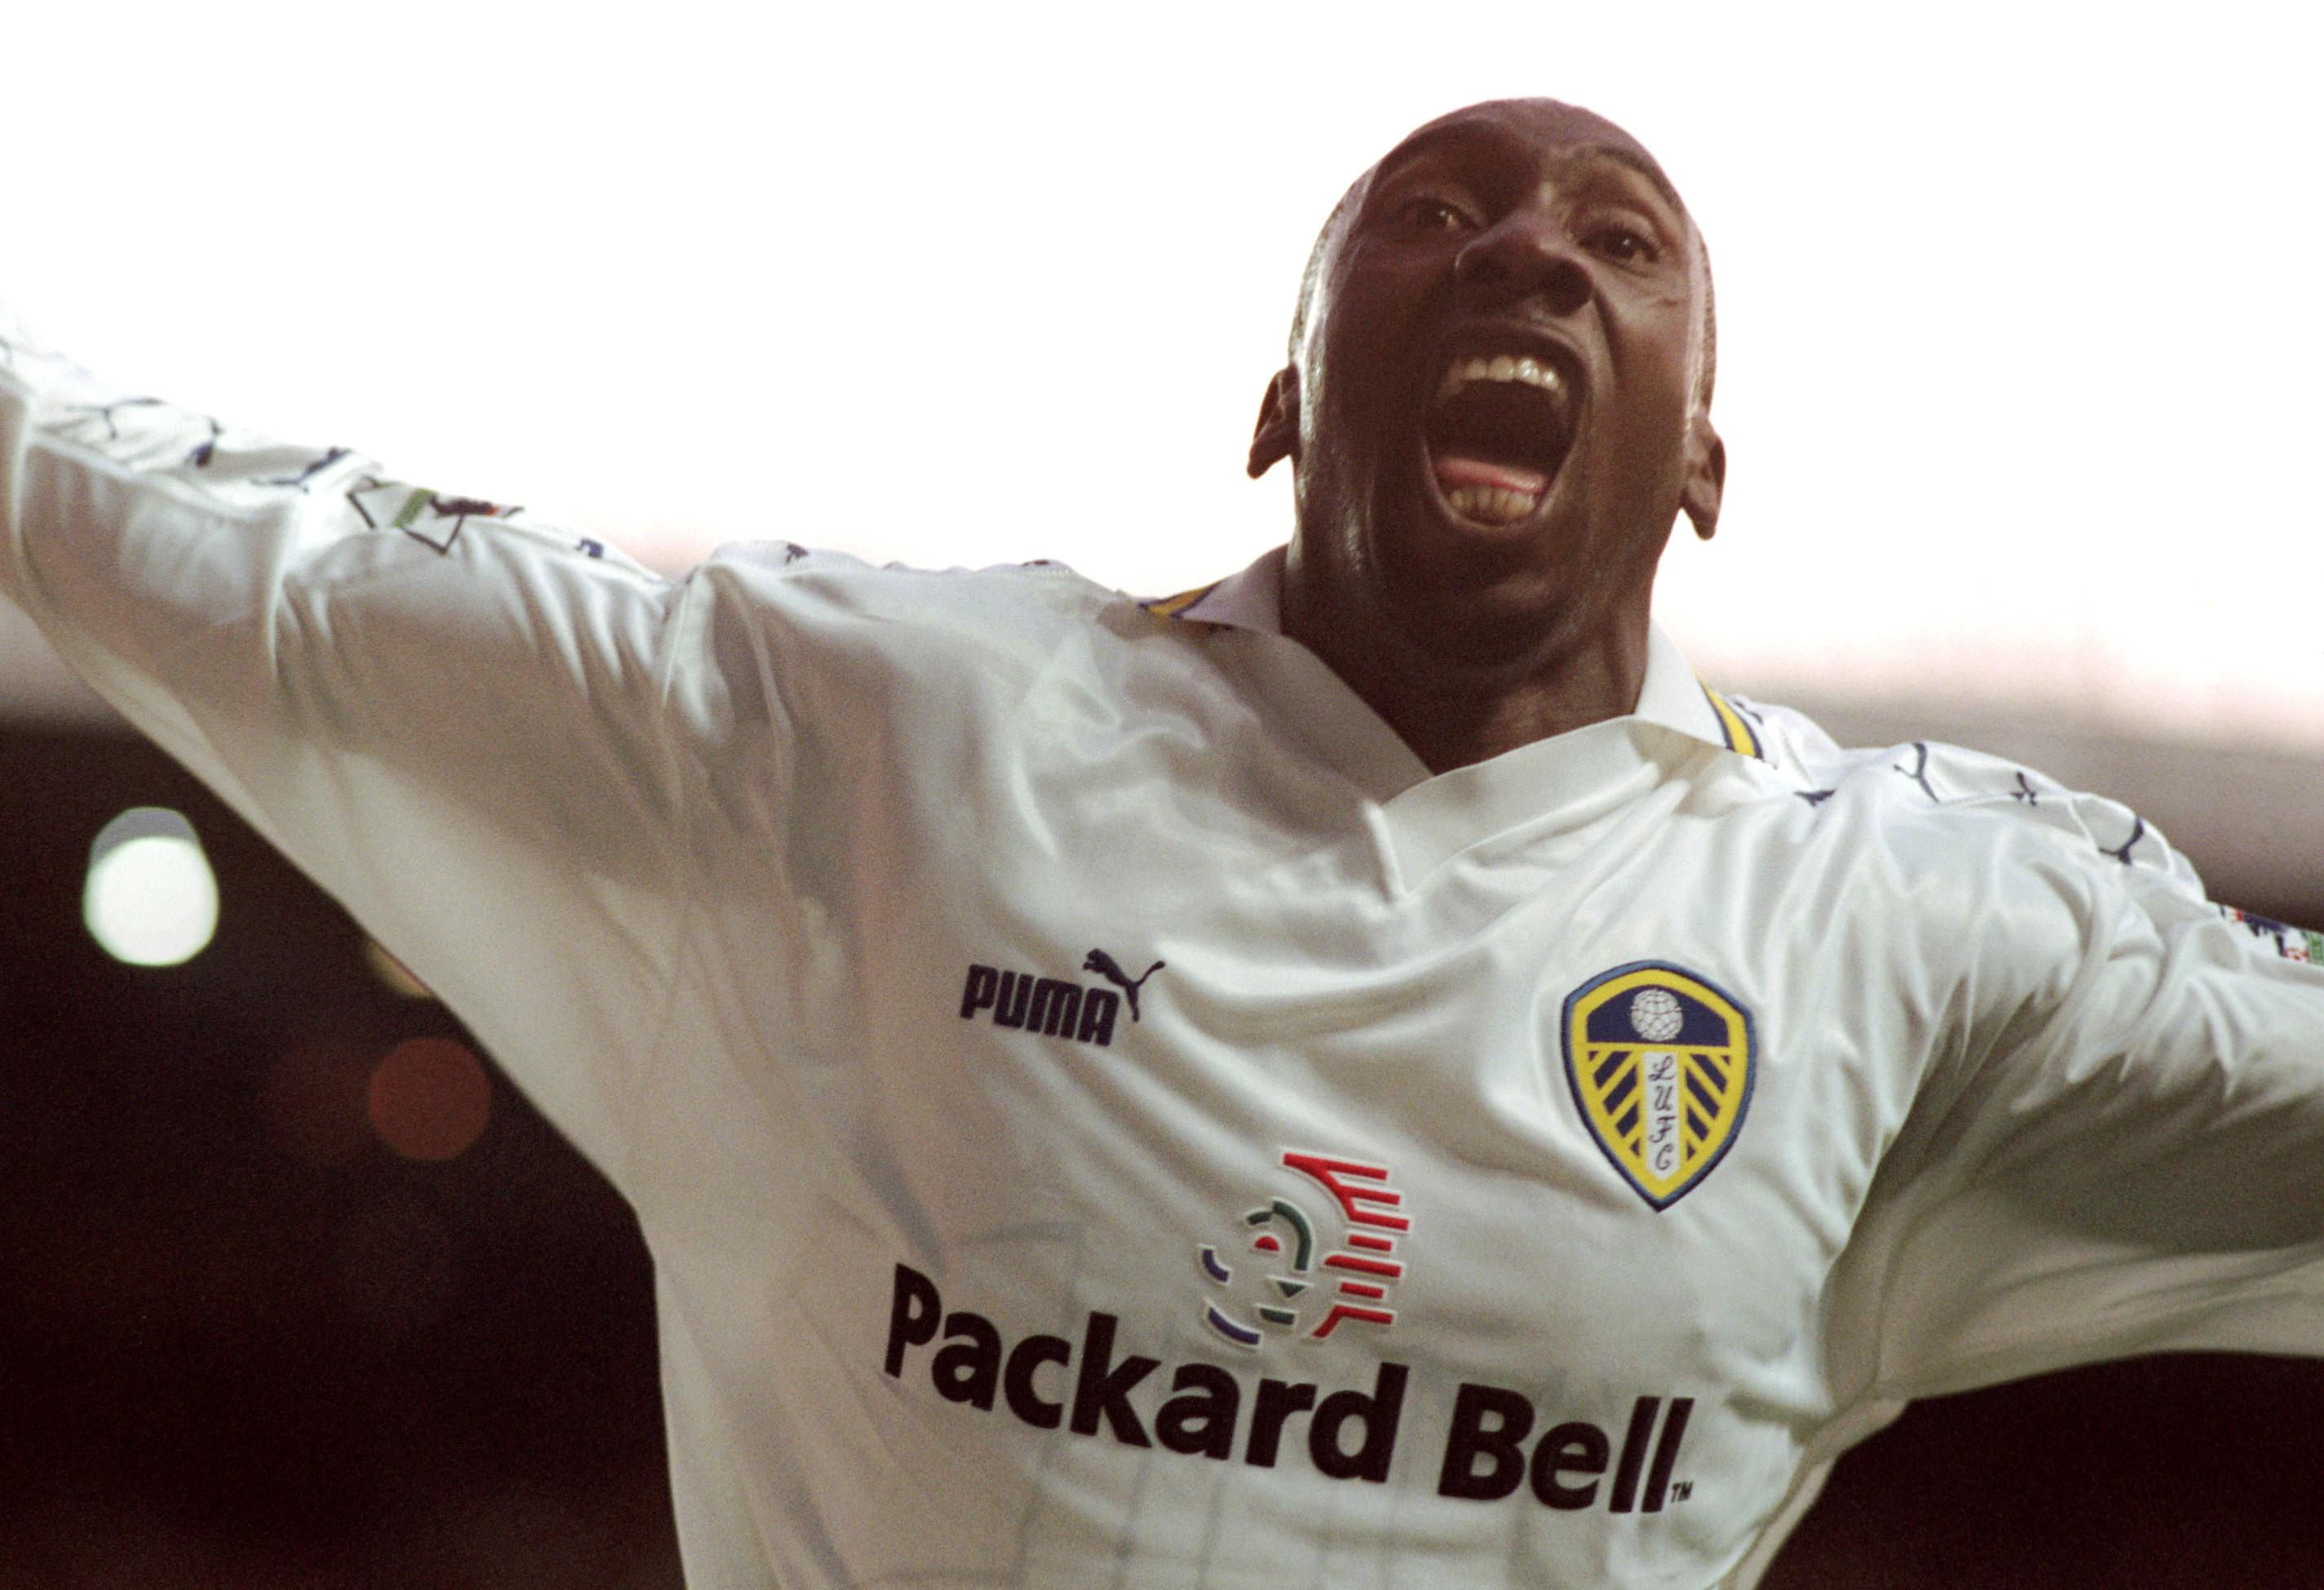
(150, 899)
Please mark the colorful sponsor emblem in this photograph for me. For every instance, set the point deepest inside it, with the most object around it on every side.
(1661, 1063)
(1281, 1291)
(2293, 944)
(422, 514)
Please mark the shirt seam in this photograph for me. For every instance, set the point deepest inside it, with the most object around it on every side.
(679, 872)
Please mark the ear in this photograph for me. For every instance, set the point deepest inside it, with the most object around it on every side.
(1277, 436)
(1706, 477)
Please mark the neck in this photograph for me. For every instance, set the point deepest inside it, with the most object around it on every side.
(1454, 706)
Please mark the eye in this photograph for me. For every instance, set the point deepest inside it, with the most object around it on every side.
(1430, 214)
(1625, 244)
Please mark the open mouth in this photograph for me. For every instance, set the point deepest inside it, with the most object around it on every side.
(1497, 429)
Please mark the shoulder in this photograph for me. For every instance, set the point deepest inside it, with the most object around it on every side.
(786, 574)
(776, 622)
(1959, 868)
(1963, 799)
(1986, 895)
(838, 606)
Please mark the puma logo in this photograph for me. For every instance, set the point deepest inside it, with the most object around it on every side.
(1919, 771)
(1108, 967)
(1052, 1006)
(2120, 853)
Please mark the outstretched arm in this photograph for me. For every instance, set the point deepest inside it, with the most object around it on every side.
(458, 721)
(2127, 1156)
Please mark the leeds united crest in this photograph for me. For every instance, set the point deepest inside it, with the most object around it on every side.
(1661, 1063)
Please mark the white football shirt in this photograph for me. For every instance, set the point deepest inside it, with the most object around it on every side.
(1103, 1114)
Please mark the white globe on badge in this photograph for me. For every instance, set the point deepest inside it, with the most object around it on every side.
(1655, 1014)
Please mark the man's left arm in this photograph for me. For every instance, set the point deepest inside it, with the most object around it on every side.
(2126, 1155)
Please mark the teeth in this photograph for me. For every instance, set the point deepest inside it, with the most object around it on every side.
(1492, 505)
(1499, 367)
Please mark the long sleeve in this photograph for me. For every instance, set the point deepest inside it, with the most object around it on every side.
(2127, 1155)
(453, 719)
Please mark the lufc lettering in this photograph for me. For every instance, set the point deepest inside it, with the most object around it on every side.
(1048, 1381)
(1662, 1113)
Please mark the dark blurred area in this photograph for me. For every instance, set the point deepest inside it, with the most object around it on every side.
(246, 1342)
(289, 1306)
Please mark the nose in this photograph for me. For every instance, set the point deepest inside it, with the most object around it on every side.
(1523, 255)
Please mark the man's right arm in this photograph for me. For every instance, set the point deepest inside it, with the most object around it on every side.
(458, 723)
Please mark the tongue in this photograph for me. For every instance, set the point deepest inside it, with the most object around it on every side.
(1452, 470)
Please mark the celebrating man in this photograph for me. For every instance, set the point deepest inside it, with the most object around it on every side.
(1366, 1072)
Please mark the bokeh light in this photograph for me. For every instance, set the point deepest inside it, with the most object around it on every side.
(150, 899)
(429, 1099)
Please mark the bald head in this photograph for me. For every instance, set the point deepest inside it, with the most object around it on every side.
(1496, 412)
(1547, 118)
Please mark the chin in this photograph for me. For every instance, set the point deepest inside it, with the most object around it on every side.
(1505, 594)
(1478, 598)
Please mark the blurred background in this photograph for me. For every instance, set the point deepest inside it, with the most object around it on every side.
(2016, 335)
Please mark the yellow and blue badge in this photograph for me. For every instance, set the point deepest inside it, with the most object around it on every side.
(1661, 1062)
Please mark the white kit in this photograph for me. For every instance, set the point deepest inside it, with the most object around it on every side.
(1103, 1115)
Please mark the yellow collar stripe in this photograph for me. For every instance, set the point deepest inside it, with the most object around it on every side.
(1170, 607)
(1741, 736)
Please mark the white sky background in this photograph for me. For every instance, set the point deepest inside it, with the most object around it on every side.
(2019, 325)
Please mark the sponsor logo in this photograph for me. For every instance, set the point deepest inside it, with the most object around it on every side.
(1661, 1063)
(315, 466)
(2121, 852)
(1053, 1007)
(1279, 1261)
(433, 518)
(1092, 1388)
(1485, 1456)
(2293, 944)
(1108, 967)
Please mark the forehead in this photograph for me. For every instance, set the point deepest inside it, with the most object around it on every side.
(1536, 131)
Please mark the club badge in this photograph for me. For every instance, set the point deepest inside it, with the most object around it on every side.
(1661, 1063)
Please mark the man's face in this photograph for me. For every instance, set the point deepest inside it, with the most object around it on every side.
(1496, 421)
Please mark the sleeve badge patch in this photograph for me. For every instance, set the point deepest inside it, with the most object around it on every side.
(2292, 943)
(1661, 1062)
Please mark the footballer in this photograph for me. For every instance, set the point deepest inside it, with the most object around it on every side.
(1371, 1072)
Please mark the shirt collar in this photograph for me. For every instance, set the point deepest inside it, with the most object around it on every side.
(1672, 697)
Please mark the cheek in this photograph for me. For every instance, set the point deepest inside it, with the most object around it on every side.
(1646, 444)
(1378, 319)
(1355, 385)
(1651, 364)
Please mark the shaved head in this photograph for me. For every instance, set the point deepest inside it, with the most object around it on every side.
(1617, 141)
(1497, 409)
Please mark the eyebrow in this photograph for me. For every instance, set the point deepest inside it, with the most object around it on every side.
(1642, 164)
(1618, 154)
